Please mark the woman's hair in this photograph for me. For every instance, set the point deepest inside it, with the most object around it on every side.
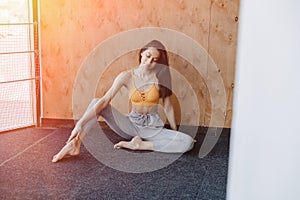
(163, 73)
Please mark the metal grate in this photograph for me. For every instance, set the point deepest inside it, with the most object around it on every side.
(18, 75)
(16, 105)
(16, 67)
(15, 37)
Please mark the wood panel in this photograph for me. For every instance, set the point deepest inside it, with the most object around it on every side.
(70, 30)
(222, 49)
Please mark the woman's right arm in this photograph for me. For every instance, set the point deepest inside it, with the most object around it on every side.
(120, 81)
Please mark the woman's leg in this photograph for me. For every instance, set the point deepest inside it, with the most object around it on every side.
(171, 141)
(153, 136)
(135, 144)
(73, 147)
(165, 140)
(117, 122)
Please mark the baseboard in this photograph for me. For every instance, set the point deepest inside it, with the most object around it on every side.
(57, 123)
(52, 122)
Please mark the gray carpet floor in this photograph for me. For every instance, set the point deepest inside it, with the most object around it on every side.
(27, 172)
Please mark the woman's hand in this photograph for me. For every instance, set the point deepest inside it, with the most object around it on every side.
(75, 132)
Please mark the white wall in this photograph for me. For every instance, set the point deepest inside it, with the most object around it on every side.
(265, 144)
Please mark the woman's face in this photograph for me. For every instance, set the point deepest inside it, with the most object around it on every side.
(150, 57)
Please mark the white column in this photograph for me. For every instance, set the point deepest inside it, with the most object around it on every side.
(265, 141)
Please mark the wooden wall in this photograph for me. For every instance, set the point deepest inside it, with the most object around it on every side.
(70, 30)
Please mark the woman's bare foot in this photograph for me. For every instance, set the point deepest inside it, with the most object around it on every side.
(135, 144)
(72, 148)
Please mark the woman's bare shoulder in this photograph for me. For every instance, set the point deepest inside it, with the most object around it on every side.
(124, 76)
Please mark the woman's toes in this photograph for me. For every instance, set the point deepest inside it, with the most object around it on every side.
(69, 149)
(133, 144)
(118, 145)
(54, 159)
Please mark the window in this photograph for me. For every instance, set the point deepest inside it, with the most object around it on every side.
(19, 64)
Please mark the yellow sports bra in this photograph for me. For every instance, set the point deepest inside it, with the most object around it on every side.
(147, 98)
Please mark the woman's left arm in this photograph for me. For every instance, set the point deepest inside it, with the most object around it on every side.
(169, 111)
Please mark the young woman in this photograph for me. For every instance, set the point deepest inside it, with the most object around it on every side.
(142, 127)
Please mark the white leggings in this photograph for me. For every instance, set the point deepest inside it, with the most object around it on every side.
(148, 126)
